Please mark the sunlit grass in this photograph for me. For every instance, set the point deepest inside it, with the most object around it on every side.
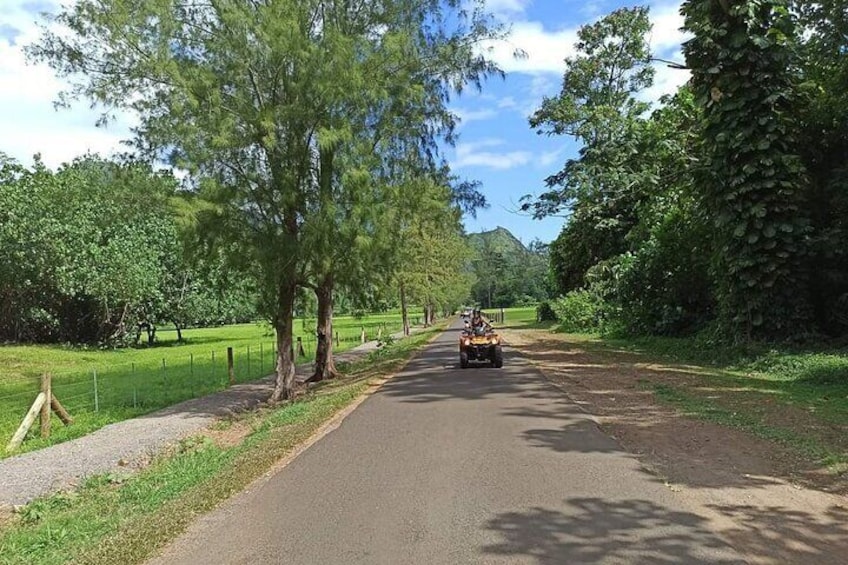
(101, 386)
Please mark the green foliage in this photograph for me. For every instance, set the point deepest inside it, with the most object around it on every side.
(545, 312)
(581, 311)
(721, 203)
(95, 248)
(597, 106)
(507, 272)
(664, 287)
(752, 178)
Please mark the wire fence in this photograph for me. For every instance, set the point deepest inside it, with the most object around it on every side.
(109, 393)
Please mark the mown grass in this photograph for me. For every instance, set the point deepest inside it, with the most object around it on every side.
(522, 318)
(102, 386)
(125, 519)
(708, 409)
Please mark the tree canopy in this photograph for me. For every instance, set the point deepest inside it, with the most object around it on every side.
(718, 204)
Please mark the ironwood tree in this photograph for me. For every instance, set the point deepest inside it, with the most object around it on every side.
(249, 97)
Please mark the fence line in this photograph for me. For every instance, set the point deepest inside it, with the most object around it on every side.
(125, 390)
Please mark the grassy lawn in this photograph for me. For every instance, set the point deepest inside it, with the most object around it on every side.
(125, 519)
(101, 386)
(523, 317)
(814, 380)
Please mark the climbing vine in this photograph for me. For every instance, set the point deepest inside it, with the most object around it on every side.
(752, 179)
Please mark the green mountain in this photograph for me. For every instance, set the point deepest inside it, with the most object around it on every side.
(508, 272)
(499, 240)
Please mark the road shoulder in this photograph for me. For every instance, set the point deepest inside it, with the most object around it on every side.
(757, 493)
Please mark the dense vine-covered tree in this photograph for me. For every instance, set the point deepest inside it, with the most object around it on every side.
(721, 202)
(752, 178)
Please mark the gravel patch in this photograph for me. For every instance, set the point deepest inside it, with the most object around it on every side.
(130, 444)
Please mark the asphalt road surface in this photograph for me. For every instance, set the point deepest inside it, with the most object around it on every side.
(444, 465)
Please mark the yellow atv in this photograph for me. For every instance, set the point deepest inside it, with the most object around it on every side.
(480, 345)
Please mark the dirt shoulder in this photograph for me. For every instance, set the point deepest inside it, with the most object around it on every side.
(756, 478)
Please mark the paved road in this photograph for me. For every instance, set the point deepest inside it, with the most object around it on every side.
(444, 465)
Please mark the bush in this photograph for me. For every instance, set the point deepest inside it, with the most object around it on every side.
(665, 288)
(545, 312)
(581, 311)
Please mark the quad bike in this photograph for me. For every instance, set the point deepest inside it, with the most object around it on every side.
(480, 345)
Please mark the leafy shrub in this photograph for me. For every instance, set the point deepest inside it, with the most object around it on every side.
(545, 312)
(580, 311)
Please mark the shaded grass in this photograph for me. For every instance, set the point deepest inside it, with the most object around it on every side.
(697, 406)
(125, 519)
(813, 380)
(102, 386)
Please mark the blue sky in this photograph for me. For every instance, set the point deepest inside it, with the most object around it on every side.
(496, 145)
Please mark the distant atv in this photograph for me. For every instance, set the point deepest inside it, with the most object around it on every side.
(480, 345)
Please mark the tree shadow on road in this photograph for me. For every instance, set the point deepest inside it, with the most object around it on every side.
(437, 378)
(789, 536)
(579, 435)
(596, 530)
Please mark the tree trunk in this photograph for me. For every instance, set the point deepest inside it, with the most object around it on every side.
(404, 313)
(426, 318)
(325, 367)
(179, 333)
(151, 334)
(284, 387)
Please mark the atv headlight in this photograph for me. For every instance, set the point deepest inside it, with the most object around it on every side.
(467, 342)
(493, 341)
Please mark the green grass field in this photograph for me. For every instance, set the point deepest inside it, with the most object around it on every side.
(520, 317)
(101, 386)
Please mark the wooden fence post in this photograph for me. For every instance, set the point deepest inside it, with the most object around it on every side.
(300, 350)
(45, 408)
(337, 339)
(18, 438)
(230, 366)
(362, 335)
(60, 411)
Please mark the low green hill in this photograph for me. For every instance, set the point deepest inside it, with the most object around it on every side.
(508, 272)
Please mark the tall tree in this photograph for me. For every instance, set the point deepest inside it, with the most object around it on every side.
(597, 107)
(741, 57)
(242, 93)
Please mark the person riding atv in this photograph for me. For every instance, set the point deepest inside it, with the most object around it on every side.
(479, 342)
(477, 321)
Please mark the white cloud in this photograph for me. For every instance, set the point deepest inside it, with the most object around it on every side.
(667, 35)
(478, 154)
(30, 124)
(548, 158)
(507, 6)
(667, 39)
(467, 116)
(544, 50)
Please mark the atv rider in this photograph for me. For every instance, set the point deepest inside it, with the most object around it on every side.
(478, 324)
